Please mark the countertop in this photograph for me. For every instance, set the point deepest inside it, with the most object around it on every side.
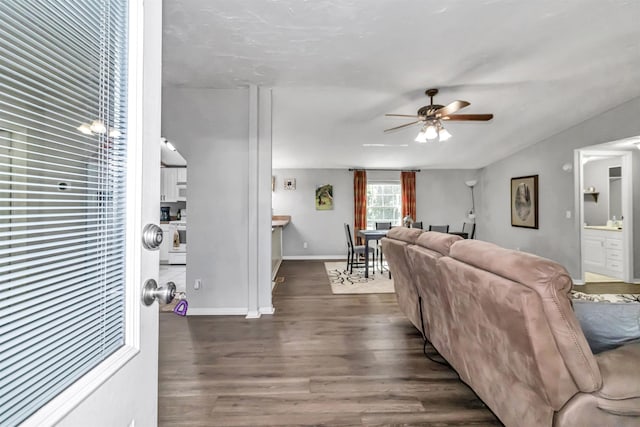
(280, 220)
(602, 227)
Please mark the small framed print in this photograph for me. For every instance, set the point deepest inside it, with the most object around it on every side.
(524, 201)
(289, 183)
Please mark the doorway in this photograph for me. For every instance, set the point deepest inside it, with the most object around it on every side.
(604, 196)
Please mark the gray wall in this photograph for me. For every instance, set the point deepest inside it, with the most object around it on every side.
(596, 174)
(441, 198)
(322, 230)
(557, 237)
(210, 129)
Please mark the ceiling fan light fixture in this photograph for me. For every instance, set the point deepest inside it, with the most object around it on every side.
(431, 132)
(444, 134)
(422, 137)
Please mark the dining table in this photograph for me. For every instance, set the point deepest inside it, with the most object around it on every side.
(369, 235)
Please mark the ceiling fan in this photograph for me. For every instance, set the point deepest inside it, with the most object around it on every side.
(432, 116)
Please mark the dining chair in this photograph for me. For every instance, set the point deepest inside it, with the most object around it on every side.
(378, 246)
(470, 229)
(440, 228)
(417, 224)
(355, 251)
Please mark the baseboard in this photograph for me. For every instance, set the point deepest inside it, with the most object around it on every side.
(217, 311)
(275, 271)
(636, 281)
(253, 315)
(267, 310)
(578, 281)
(312, 257)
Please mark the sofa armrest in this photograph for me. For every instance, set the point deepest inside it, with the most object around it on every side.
(620, 373)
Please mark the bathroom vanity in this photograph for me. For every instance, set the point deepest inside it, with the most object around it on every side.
(603, 251)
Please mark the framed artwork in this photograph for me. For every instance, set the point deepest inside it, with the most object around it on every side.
(524, 201)
(324, 197)
(289, 183)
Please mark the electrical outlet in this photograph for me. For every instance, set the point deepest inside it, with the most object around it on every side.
(568, 214)
(305, 245)
(197, 284)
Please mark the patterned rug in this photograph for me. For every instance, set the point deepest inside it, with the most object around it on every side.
(344, 283)
(605, 297)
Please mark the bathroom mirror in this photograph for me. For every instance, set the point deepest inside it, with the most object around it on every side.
(615, 192)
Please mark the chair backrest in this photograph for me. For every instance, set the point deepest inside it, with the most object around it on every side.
(470, 229)
(347, 231)
(417, 224)
(439, 228)
(383, 225)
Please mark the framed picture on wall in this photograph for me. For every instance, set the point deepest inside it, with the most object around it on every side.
(524, 201)
(324, 197)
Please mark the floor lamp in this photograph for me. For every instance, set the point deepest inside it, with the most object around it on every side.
(472, 213)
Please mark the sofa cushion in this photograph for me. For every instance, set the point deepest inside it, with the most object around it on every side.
(608, 325)
(620, 373)
(439, 242)
(404, 234)
(552, 283)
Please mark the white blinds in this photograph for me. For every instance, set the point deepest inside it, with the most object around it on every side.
(62, 194)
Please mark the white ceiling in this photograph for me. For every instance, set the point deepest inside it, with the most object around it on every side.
(337, 66)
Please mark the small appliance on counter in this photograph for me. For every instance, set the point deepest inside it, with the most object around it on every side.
(165, 213)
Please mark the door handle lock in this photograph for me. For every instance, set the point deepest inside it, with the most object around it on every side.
(151, 237)
(151, 292)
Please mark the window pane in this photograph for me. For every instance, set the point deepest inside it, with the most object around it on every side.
(383, 203)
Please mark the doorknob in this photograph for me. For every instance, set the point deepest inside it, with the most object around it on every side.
(151, 292)
(151, 237)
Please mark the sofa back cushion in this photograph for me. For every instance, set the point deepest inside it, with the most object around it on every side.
(393, 247)
(422, 258)
(438, 242)
(552, 284)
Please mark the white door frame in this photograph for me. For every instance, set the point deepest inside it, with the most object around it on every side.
(627, 203)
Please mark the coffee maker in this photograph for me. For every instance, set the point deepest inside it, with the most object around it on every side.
(164, 213)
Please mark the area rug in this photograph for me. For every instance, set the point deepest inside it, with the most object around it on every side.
(344, 283)
(605, 297)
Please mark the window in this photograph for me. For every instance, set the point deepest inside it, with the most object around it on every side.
(383, 203)
(63, 113)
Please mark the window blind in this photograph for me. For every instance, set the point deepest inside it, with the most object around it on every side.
(63, 94)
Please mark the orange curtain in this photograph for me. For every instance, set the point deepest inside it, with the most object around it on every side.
(408, 191)
(359, 203)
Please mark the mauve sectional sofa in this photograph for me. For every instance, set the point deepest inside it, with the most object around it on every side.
(504, 321)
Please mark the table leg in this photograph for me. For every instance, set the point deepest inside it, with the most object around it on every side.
(366, 258)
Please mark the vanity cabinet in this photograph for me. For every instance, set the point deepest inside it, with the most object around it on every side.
(602, 252)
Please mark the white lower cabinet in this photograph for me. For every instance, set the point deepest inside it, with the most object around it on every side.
(602, 252)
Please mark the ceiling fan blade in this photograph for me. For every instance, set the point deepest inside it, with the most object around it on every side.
(451, 108)
(402, 115)
(475, 117)
(401, 126)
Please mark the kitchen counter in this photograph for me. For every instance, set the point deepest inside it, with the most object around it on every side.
(602, 227)
(280, 220)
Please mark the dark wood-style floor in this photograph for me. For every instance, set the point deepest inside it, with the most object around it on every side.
(321, 360)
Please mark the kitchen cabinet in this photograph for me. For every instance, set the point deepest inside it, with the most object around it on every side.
(602, 252)
(173, 183)
(168, 188)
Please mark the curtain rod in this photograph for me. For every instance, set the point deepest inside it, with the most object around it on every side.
(384, 170)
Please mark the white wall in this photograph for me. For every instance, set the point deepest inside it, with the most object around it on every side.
(557, 237)
(211, 129)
